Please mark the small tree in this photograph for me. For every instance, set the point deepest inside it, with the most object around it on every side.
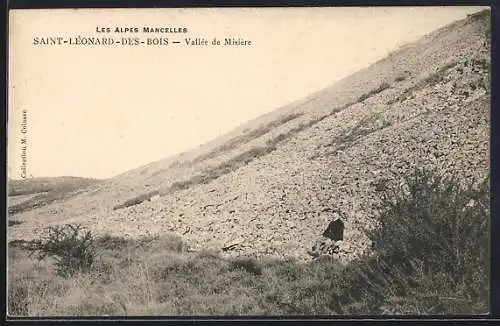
(72, 247)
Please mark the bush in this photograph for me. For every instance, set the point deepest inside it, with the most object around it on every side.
(15, 222)
(434, 235)
(366, 126)
(400, 78)
(137, 200)
(483, 14)
(433, 218)
(375, 91)
(71, 246)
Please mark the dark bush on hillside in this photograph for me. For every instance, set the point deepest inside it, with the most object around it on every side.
(364, 127)
(400, 78)
(14, 222)
(483, 14)
(434, 236)
(136, 200)
(71, 246)
(434, 219)
(373, 92)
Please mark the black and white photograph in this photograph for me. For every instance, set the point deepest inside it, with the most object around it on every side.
(279, 161)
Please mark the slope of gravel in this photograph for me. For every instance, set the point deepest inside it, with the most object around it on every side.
(432, 111)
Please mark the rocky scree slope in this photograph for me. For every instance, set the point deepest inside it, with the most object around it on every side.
(273, 192)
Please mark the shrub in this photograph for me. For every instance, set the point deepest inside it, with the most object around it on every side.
(432, 217)
(71, 246)
(137, 200)
(483, 14)
(366, 126)
(434, 235)
(400, 78)
(15, 222)
(375, 91)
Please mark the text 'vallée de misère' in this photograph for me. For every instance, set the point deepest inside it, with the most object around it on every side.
(135, 36)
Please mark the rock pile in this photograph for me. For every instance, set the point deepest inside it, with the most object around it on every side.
(323, 247)
(331, 239)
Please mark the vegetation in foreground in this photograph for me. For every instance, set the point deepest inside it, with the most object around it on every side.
(432, 257)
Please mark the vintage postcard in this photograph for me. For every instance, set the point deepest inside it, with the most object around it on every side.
(249, 161)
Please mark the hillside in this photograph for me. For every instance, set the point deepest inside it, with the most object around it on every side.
(269, 187)
(36, 185)
(28, 194)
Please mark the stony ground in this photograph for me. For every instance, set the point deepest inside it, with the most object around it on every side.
(427, 105)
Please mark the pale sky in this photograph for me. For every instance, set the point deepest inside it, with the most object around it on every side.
(98, 111)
